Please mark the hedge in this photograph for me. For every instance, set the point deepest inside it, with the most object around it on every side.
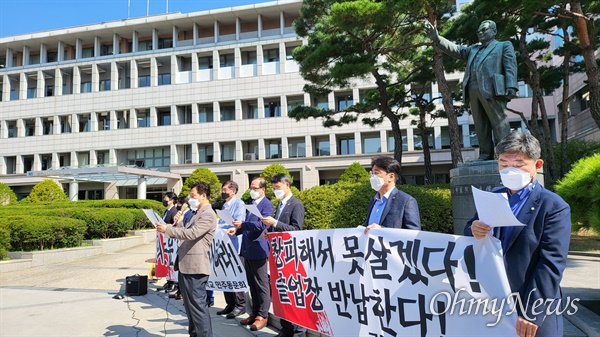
(4, 242)
(344, 205)
(7, 196)
(580, 188)
(29, 232)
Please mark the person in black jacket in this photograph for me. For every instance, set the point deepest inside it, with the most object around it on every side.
(289, 216)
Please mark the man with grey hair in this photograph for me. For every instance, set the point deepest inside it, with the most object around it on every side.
(489, 82)
(535, 255)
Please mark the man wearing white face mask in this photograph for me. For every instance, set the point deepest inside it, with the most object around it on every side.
(390, 207)
(535, 255)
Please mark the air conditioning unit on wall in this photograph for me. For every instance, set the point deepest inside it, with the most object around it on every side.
(249, 156)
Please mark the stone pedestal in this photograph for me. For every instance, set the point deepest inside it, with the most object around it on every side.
(483, 175)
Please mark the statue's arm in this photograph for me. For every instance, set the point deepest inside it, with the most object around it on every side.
(448, 47)
(509, 62)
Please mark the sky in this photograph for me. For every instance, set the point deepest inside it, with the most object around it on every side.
(29, 16)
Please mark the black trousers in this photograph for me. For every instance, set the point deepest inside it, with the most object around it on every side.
(258, 282)
(193, 290)
(235, 300)
(292, 330)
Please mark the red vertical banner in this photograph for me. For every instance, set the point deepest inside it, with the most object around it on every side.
(162, 258)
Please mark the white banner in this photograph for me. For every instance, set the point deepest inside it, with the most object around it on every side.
(227, 269)
(391, 282)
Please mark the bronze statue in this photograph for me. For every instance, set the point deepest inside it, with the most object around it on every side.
(490, 81)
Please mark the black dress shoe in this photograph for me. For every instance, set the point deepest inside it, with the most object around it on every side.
(235, 313)
(210, 304)
(224, 311)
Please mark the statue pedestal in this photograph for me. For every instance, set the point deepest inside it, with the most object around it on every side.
(481, 174)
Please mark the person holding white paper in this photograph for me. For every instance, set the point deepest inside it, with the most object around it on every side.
(535, 255)
(236, 301)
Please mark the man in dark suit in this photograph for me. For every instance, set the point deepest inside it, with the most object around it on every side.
(535, 255)
(489, 82)
(193, 259)
(170, 202)
(390, 207)
(288, 217)
(255, 251)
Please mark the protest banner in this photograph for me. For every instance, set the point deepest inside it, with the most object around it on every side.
(227, 270)
(391, 282)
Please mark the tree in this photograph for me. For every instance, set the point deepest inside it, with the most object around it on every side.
(46, 191)
(204, 175)
(7, 196)
(357, 40)
(354, 173)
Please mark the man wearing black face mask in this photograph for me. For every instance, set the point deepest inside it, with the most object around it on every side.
(169, 201)
(236, 301)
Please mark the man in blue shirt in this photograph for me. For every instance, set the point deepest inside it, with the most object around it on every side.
(390, 207)
(535, 255)
(236, 302)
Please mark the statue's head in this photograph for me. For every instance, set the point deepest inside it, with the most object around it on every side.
(487, 31)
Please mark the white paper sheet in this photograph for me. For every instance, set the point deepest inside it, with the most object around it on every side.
(493, 209)
(254, 210)
(225, 216)
(153, 217)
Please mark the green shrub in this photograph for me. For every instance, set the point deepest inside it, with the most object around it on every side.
(576, 150)
(580, 188)
(354, 173)
(105, 223)
(204, 175)
(46, 191)
(344, 205)
(7, 196)
(4, 242)
(42, 232)
(268, 173)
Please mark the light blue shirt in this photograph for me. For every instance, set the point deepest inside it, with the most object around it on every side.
(378, 207)
(237, 210)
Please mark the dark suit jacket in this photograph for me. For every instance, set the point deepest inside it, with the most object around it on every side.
(536, 254)
(401, 211)
(254, 246)
(170, 215)
(497, 58)
(291, 218)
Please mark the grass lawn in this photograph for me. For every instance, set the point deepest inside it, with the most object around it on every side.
(585, 240)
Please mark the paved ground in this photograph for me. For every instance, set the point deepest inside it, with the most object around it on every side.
(75, 299)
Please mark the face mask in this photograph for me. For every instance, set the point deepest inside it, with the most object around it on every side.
(165, 203)
(254, 194)
(376, 182)
(514, 178)
(279, 194)
(194, 203)
(224, 195)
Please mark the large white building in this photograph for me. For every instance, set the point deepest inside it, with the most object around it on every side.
(123, 109)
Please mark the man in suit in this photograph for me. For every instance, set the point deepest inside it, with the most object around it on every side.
(255, 251)
(535, 255)
(193, 260)
(490, 81)
(288, 217)
(170, 202)
(390, 207)
(236, 301)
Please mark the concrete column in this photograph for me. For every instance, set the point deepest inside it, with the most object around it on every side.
(37, 162)
(410, 141)
(111, 191)
(308, 146)
(238, 110)
(3, 165)
(112, 157)
(6, 87)
(20, 127)
(153, 116)
(58, 83)
(237, 62)
(55, 161)
(260, 28)
(141, 188)
(9, 57)
(216, 31)
(133, 119)
(284, 148)
(331, 101)
(332, 145)
(281, 23)
(116, 50)
(41, 84)
(153, 72)
(96, 46)
(19, 166)
(261, 148)
(76, 80)
(133, 81)
(384, 140)
(284, 106)
(61, 51)
(357, 143)
(154, 41)
(307, 101)
(38, 126)
(259, 57)
(309, 177)
(74, 159)
(437, 137)
(113, 120)
(216, 111)
(216, 64)
(114, 76)
(175, 36)
(73, 190)
(175, 185)
(94, 122)
(261, 107)
(195, 155)
(174, 154)
(174, 70)
(78, 49)
(195, 113)
(237, 28)
(93, 158)
(26, 53)
(3, 130)
(95, 78)
(23, 86)
(195, 34)
(134, 42)
(194, 67)
(216, 152)
(239, 151)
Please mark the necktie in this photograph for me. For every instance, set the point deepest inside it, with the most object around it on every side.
(513, 200)
(279, 208)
